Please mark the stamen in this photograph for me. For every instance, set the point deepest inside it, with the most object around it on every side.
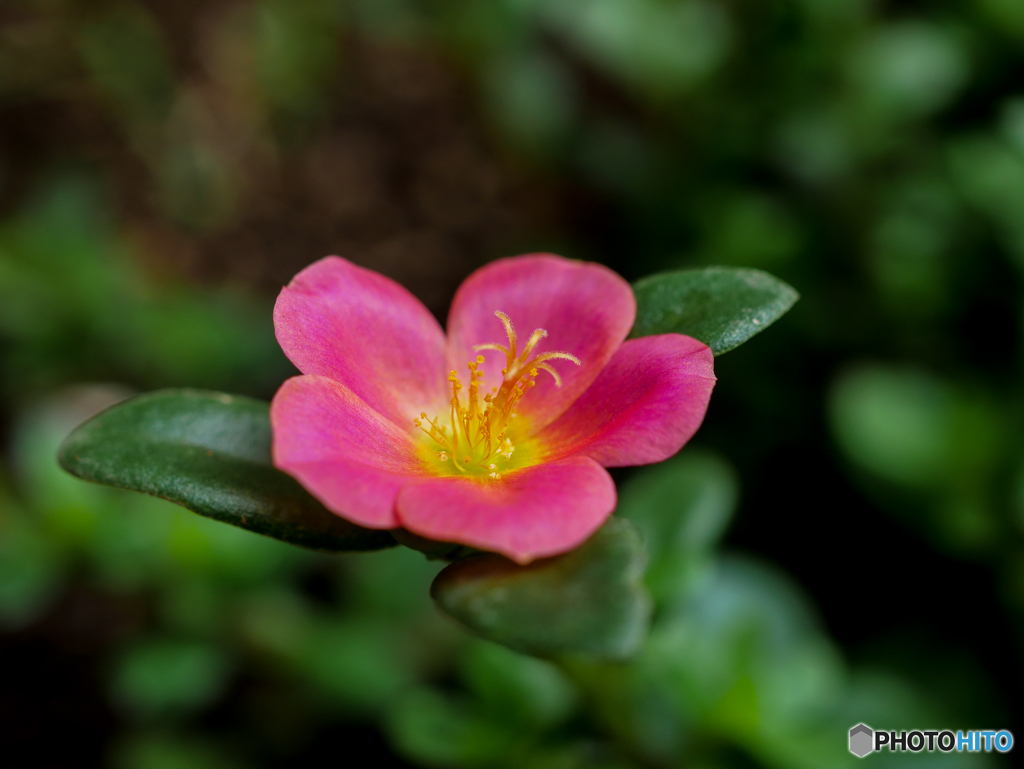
(480, 424)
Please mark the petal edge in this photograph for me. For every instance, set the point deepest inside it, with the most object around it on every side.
(644, 406)
(363, 329)
(586, 308)
(532, 513)
(344, 453)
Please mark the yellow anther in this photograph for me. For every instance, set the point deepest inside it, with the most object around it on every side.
(478, 426)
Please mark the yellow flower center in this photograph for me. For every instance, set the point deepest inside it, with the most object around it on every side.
(478, 437)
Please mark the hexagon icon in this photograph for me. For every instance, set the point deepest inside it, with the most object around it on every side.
(862, 739)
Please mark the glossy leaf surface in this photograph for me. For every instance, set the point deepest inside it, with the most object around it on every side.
(721, 306)
(209, 452)
(588, 601)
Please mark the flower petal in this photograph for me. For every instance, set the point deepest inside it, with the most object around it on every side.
(346, 454)
(645, 405)
(530, 513)
(364, 330)
(586, 309)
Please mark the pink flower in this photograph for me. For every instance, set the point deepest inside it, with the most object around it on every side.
(487, 437)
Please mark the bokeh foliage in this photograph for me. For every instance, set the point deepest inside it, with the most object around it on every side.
(871, 154)
(736, 661)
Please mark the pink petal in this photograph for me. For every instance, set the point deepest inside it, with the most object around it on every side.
(645, 405)
(530, 513)
(346, 454)
(586, 309)
(367, 332)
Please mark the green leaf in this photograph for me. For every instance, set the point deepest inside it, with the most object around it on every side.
(590, 600)
(721, 306)
(682, 508)
(209, 452)
(532, 694)
(165, 676)
(436, 729)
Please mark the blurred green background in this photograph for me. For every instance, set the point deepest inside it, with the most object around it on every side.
(843, 541)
